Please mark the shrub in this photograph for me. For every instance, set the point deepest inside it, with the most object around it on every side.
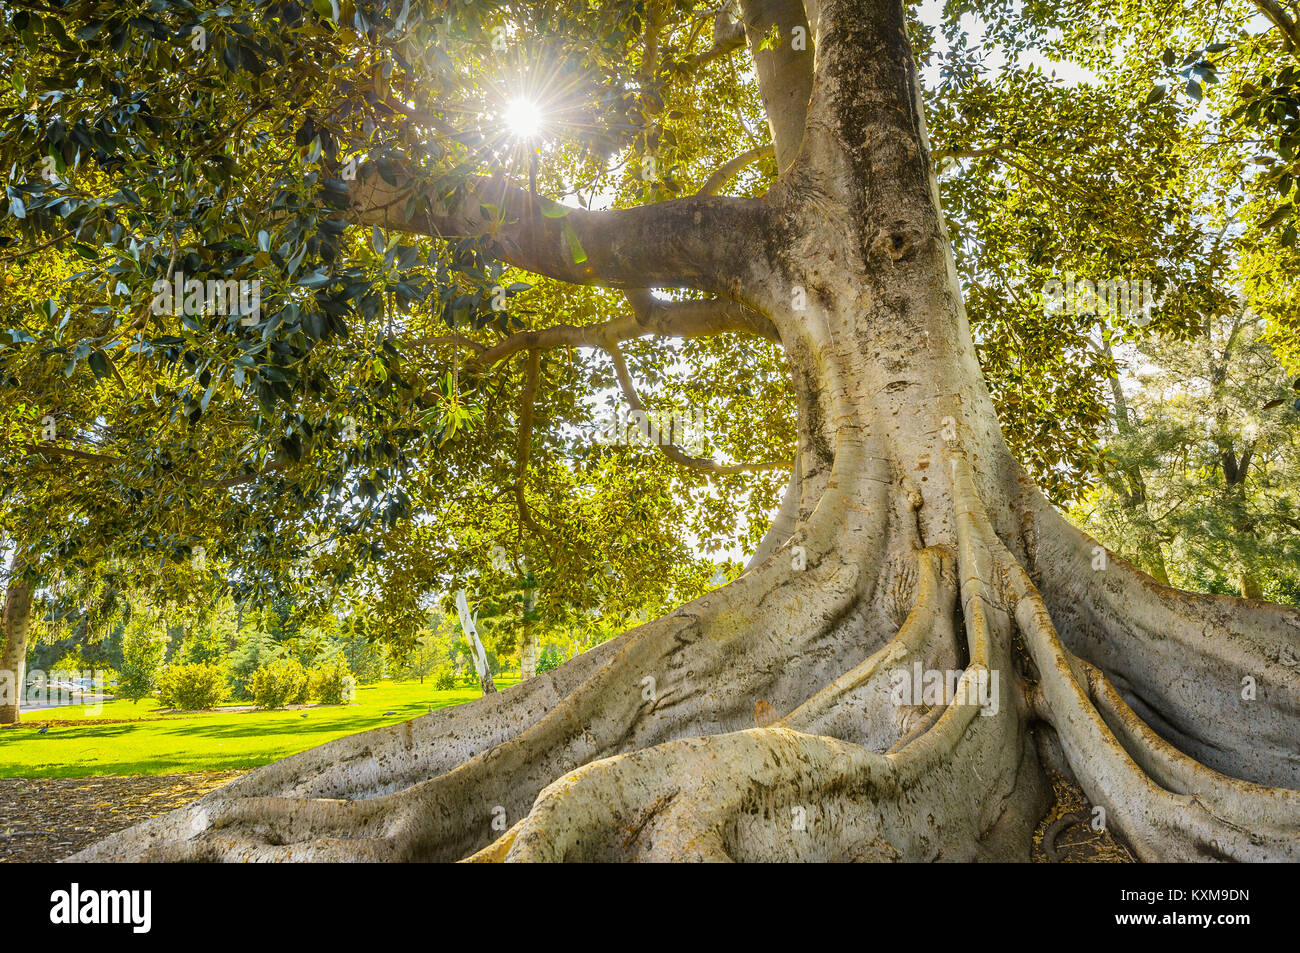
(330, 682)
(443, 677)
(255, 651)
(549, 660)
(279, 683)
(192, 686)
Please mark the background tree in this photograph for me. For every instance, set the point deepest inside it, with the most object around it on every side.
(144, 645)
(1200, 485)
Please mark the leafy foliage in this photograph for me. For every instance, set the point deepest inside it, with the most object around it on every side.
(192, 686)
(143, 648)
(341, 449)
(279, 683)
(1202, 479)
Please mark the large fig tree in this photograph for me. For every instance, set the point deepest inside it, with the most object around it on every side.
(919, 638)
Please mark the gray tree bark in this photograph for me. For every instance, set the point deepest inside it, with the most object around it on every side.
(13, 641)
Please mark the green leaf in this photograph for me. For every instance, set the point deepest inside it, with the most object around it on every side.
(98, 364)
(1276, 218)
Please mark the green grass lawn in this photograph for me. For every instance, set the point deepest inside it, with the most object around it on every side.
(126, 738)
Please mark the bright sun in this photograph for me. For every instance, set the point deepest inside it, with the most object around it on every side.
(523, 119)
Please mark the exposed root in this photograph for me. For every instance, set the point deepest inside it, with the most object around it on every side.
(1088, 842)
(643, 749)
(1217, 677)
(1167, 806)
(438, 787)
(780, 793)
(857, 706)
(1055, 829)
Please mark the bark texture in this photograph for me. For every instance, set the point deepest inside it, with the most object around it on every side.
(776, 718)
(13, 642)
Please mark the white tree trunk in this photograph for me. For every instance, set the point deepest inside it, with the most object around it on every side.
(13, 643)
(467, 623)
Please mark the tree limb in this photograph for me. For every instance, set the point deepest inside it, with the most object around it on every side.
(785, 75)
(683, 319)
(728, 36)
(728, 170)
(1284, 22)
(687, 242)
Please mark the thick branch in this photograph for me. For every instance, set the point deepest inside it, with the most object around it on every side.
(727, 38)
(1283, 21)
(785, 74)
(689, 242)
(681, 319)
(728, 170)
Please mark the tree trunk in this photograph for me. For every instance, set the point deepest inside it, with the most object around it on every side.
(468, 623)
(528, 646)
(528, 651)
(13, 635)
(791, 715)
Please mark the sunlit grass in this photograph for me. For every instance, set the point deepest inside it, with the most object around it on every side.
(127, 738)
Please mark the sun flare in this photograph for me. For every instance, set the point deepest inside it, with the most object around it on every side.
(523, 119)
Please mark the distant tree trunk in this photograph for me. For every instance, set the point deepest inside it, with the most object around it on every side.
(1235, 472)
(528, 649)
(485, 682)
(13, 655)
(528, 652)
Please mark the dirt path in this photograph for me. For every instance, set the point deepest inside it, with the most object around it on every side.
(43, 819)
